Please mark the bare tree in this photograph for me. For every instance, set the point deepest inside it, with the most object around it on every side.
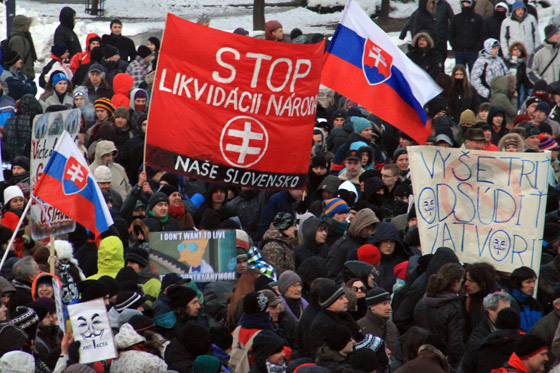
(258, 14)
(385, 9)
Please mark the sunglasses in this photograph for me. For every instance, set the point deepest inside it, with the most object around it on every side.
(361, 288)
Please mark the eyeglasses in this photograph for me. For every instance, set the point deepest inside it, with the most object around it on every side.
(359, 289)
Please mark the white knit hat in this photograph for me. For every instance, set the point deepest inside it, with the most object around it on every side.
(12, 192)
(103, 174)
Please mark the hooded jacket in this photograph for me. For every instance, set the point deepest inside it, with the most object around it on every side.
(21, 41)
(132, 358)
(350, 241)
(524, 30)
(119, 181)
(502, 95)
(425, 21)
(122, 84)
(387, 231)
(496, 136)
(538, 61)
(34, 286)
(110, 259)
(486, 67)
(494, 21)
(64, 33)
(467, 31)
(310, 247)
(83, 58)
(443, 315)
(427, 58)
(278, 250)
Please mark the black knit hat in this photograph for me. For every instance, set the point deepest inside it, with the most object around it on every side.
(128, 299)
(529, 345)
(127, 279)
(364, 360)
(39, 308)
(156, 198)
(26, 319)
(111, 284)
(109, 51)
(170, 179)
(21, 161)
(168, 189)
(141, 323)
(12, 338)
(508, 318)
(195, 338)
(283, 220)
(336, 336)
(11, 57)
(329, 293)
(137, 255)
(255, 302)
(92, 289)
(376, 296)
(180, 296)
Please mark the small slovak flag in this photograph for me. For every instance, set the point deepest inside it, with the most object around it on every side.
(68, 184)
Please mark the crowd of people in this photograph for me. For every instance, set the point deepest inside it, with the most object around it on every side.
(329, 278)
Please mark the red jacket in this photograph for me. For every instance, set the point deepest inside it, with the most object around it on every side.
(81, 58)
(514, 365)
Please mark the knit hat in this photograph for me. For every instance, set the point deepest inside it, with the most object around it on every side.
(283, 220)
(122, 112)
(206, 364)
(264, 282)
(59, 77)
(333, 206)
(329, 293)
(168, 189)
(171, 279)
(336, 336)
(269, 27)
(104, 103)
(359, 124)
(26, 319)
(180, 296)
(369, 254)
(156, 198)
(400, 270)
(11, 57)
(111, 284)
(17, 362)
(550, 30)
(127, 275)
(255, 302)
(195, 338)
(11, 338)
(475, 134)
(109, 51)
(12, 192)
(92, 289)
(21, 161)
(529, 345)
(144, 51)
(139, 256)
(128, 299)
(102, 174)
(518, 4)
(547, 143)
(141, 322)
(376, 296)
(171, 179)
(544, 107)
(273, 299)
(97, 67)
(467, 117)
(287, 279)
(364, 360)
(58, 49)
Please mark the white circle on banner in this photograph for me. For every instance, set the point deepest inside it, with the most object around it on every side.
(243, 141)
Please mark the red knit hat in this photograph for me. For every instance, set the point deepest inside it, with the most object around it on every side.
(400, 270)
(369, 254)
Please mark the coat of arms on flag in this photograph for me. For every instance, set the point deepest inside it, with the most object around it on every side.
(75, 176)
(376, 63)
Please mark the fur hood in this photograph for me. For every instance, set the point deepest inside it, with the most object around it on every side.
(510, 137)
(424, 35)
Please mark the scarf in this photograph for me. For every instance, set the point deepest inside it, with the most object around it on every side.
(69, 286)
(177, 211)
(162, 220)
(273, 368)
(338, 227)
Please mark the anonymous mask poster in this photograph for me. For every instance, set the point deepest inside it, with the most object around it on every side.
(90, 325)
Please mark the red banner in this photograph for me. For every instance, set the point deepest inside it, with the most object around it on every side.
(233, 109)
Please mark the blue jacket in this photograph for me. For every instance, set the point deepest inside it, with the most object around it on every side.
(17, 83)
(7, 108)
(279, 202)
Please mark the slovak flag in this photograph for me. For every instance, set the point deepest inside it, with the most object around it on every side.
(67, 184)
(363, 64)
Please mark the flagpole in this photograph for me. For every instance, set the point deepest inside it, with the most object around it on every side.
(51, 251)
(16, 230)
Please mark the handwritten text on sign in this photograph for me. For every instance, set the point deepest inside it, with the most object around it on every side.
(487, 206)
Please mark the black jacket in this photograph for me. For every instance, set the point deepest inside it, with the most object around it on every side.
(424, 21)
(126, 48)
(310, 247)
(64, 33)
(324, 318)
(178, 357)
(387, 231)
(468, 31)
(248, 206)
(494, 24)
(493, 353)
(427, 58)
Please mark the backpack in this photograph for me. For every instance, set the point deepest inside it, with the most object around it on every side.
(239, 355)
(3, 49)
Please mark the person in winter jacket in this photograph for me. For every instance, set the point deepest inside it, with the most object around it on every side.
(193, 340)
(497, 121)
(480, 280)
(494, 21)
(467, 34)
(247, 206)
(15, 83)
(504, 96)
(377, 319)
(64, 33)
(7, 107)
(277, 245)
(93, 40)
(134, 355)
(17, 138)
(290, 286)
(314, 232)
(387, 239)
(268, 353)
(424, 54)
(523, 281)
(96, 84)
(105, 153)
(110, 258)
(59, 53)
(125, 45)
(520, 26)
(57, 92)
(140, 66)
(70, 273)
(462, 95)
(122, 84)
(440, 309)
(487, 66)
(359, 231)
(283, 201)
(424, 19)
(42, 286)
(157, 218)
(339, 345)
(518, 68)
(529, 356)
(20, 41)
(545, 63)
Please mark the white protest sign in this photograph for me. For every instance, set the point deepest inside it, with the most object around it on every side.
(90, 325)
(486, 206)
(47, 130)
(58, 303)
